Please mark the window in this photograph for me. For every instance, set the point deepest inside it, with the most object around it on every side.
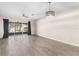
(17, 27)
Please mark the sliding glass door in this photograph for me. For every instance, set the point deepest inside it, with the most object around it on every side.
(18, 28)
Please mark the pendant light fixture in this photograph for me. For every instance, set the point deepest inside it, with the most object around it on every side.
(50, 12)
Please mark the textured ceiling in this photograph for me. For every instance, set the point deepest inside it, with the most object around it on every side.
(34, 10)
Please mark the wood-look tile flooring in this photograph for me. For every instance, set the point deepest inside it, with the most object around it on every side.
(23, 45)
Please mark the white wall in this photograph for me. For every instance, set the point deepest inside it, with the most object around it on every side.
(18, 19)
(64, 28)
(33, 27)
(1, 28)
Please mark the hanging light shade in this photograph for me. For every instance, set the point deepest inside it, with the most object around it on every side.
(50, 12)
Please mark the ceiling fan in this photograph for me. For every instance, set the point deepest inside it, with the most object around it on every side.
(50, 12)
(23, 15)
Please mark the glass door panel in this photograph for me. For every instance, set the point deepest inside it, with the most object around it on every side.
(16, 27)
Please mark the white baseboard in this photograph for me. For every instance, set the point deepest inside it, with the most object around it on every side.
(69, 43)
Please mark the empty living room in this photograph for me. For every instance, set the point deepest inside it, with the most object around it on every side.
(39, 28)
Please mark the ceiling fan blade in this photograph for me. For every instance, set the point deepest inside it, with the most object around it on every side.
(23, 15)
